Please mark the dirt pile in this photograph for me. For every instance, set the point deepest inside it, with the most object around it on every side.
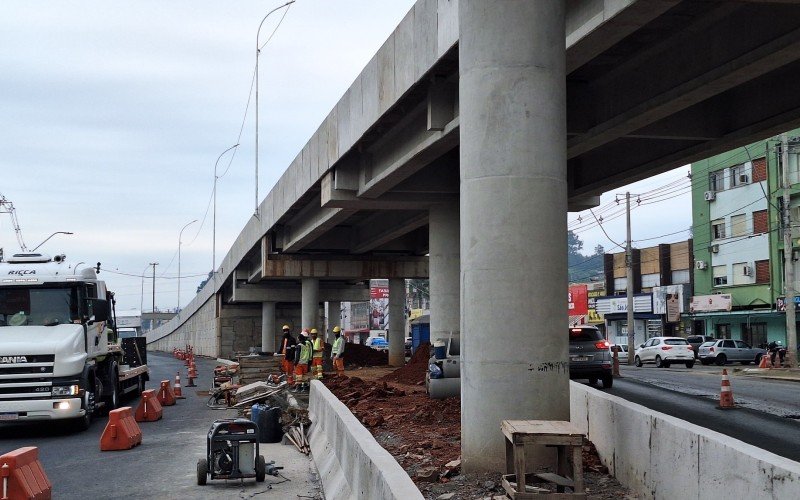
(413, 373)
(361, 355)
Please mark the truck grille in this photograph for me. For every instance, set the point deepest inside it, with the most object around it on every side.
(26, 377)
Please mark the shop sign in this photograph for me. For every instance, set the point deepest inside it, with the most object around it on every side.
(710, 303)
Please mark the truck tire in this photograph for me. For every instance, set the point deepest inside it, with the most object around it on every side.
(83, 423)
(112, 399)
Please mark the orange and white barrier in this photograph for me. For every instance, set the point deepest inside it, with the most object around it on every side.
(149, 409)
(725, 392)
(23, 476)
(192, 374)
(165, 395)
(176, 389)
(121, 432)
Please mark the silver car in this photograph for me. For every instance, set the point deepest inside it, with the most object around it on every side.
(725, 350)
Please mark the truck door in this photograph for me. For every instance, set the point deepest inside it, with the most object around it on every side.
(96, 336)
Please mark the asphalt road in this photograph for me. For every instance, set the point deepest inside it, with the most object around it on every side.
(164, 465)
(763, 416)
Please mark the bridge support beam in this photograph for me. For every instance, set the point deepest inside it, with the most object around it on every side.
(514, 347)
(334, 319)
(268, 327)
(310, 303)
(397, 322)
(444, 263)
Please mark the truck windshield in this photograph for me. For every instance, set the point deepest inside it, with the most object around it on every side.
(42, 306)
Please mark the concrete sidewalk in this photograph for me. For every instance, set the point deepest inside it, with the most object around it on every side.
(789, 374)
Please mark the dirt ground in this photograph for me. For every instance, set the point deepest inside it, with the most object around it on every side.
(424, 436)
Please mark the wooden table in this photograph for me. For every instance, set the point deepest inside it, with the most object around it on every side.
(568, 441)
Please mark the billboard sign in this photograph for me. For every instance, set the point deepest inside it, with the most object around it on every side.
(578, 300)
(710, 303)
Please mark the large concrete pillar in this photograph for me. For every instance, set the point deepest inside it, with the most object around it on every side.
(310, 303)
(444, 263)
(514, 345)
(268, 327)
(334, 319)
(397, 322)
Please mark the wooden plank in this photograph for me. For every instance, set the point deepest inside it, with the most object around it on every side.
(577, 468)
(558, 427)
(519, 465)
(556, 479)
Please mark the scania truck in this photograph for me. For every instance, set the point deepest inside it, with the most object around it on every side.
(60, 358)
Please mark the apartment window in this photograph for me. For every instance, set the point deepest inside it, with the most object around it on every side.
(760, 222)
(620, 284)
(718, 229)
(739, 225)
(716, 180)
(720, 275)
(651, 280)
(762, 271)
(680, 277)
(742, 273)
(735, 172)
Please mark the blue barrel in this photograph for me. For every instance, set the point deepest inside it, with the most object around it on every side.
(440, 349)
(268, 421)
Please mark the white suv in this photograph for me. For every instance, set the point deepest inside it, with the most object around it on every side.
(665, 350)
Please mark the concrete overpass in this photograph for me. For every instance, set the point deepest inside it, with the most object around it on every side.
(467, 138)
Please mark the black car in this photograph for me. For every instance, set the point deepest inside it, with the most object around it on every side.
(589, 356)
(696, 340)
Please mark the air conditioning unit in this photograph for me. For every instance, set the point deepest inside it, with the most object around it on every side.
(714, 248)
(710, 195)
(743, 179)
(700, 264)
(747, 271)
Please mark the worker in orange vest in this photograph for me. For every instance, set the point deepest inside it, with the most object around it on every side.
(287, 349)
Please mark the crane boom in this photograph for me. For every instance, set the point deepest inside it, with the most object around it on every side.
(7, 207)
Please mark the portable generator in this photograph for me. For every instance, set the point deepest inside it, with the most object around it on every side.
(232, 452)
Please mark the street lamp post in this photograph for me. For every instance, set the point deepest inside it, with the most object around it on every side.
(45, 240)
(141, 299)
(258, 51)
(214, 223)
(154, 264)
(179, 262)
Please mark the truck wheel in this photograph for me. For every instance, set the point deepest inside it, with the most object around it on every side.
(261, 469)
(608, 381)
(202, 471)
(139, 385)
(83, 423)
(112, 400)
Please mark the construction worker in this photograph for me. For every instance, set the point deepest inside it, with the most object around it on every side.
(318, 351)
(337, 353)
(302, 359)
(287, 349)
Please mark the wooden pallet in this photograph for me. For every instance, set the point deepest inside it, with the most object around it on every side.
(258, 368)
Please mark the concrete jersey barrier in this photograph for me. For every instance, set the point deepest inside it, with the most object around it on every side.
(660, 456)
(350, 461)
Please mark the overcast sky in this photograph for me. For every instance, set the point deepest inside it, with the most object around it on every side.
(113, 114)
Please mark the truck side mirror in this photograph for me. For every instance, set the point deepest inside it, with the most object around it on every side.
(99, 308)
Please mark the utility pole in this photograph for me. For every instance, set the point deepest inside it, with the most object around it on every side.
(788, 258)
(154, 264)
(629, 279)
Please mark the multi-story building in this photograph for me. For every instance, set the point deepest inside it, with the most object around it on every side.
(662, 286)
(737, 271)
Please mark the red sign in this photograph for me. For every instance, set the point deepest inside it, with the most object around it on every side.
(379, 292)
(578, 299)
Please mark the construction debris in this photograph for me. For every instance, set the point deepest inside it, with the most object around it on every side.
(296, 423)
(413, 373)
(256, 368)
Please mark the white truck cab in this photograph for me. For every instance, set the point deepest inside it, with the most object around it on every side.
(56, 361)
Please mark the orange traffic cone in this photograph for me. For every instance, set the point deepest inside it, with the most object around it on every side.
(765, 363)
(192, 374)
(725, 392)
(176, 389)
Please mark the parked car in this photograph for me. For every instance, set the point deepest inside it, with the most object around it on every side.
(725, 350)
(696, 340)
(664, 351)
(589, 356)
(623, 352)
(378, 343)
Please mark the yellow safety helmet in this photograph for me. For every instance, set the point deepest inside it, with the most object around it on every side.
(285, 327)
(336, 329)
(314, 331)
